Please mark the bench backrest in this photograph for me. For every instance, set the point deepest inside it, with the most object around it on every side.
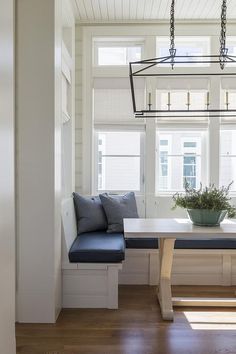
(69, 227)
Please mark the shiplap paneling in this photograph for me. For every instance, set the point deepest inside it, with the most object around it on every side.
(131, 10)
(78, 109)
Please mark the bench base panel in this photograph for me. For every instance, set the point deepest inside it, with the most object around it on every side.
(91, 285)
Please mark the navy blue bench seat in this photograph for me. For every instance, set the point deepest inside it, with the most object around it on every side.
(152, 243)
(102, 247)
(98, 247)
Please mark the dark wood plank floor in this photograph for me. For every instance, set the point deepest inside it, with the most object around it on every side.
(136, 328)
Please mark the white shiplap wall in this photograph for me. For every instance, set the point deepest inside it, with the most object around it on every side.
(78, 109)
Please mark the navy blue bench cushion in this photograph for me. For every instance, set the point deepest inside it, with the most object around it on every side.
(98, 247)
(152, 243)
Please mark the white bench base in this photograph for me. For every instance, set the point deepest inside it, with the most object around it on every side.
(90, 285)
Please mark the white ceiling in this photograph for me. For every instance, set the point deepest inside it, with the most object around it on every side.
(141, 10)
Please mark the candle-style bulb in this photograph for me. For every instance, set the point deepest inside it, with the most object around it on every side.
(227, 99)
(168, 101)
(149, 98)
(208, 99)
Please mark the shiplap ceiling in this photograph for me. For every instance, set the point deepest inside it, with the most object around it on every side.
(141, 10)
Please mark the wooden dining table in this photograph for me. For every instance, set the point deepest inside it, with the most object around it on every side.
(167, 231)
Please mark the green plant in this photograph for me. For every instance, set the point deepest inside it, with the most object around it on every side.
(210, 198)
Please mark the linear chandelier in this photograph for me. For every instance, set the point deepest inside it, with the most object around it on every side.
(150, 68)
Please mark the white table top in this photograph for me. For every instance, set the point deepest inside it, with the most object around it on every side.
(177, 228)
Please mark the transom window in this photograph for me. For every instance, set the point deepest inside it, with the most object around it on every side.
(231, 45)
(190, 46)
(118, 51)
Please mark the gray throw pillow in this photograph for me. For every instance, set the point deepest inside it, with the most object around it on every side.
(117, 208)
(90, 214)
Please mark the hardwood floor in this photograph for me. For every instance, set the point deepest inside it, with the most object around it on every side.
(136, 328)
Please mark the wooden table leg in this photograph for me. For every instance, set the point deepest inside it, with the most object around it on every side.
(166, 252)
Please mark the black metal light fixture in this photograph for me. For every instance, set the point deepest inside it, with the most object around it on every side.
(150, 68)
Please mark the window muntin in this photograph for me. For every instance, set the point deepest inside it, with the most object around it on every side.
(117, 51)
(119, 161)
(183, 158)
(190, 46)
(228, 157)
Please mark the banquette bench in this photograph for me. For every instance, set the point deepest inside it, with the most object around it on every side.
(91, 261)
(90, 264)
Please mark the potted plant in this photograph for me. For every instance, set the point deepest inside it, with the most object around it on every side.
(205, 206)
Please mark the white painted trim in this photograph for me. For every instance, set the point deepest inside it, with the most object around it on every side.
(87, 115)
(7, 176)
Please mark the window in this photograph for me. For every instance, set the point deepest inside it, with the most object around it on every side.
(119, 161)
(190, 162)
(190, 46)
(228, 157)
(118, 51)
(179, 161)
(231, 45)
(164, 169)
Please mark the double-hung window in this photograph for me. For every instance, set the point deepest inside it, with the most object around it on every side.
(119, 145)
(164, 166)
(228, 157)
(191, 167)
(118, 160)
(182, 160)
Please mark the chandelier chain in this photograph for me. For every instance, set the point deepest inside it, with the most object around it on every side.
(223, 49)
(172, 33)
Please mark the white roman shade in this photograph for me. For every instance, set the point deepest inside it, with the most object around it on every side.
(182, 83)
(174, 91)
(112, 100)
(228, 84)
